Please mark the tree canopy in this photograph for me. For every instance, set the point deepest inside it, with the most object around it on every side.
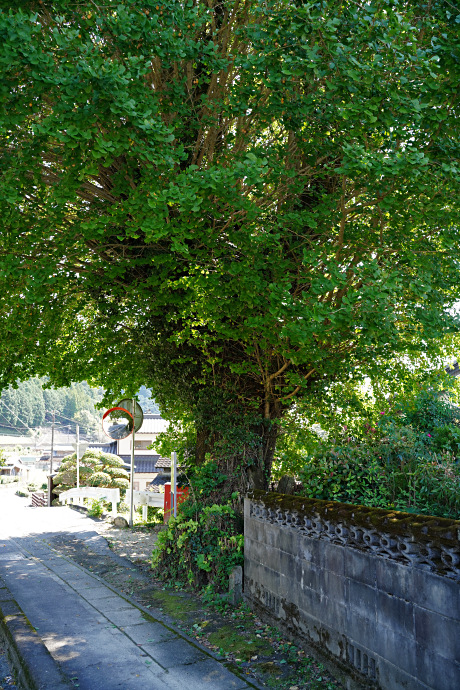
(233, 202)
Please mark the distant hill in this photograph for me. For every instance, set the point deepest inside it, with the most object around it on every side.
(30, 406)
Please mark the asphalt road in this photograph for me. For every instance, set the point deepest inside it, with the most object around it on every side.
(83, 632)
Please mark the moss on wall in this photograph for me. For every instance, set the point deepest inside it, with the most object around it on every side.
(421, 528)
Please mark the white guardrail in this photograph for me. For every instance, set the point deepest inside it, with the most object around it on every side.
(98, 493)
(146, 499)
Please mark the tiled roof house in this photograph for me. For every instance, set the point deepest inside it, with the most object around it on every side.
(145, 459)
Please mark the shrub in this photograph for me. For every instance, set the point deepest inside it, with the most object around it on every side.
(200, 551)
(96, 508)
(398, 471)
(345, 474)
(96, 469)
(447, 438)
(428, 411)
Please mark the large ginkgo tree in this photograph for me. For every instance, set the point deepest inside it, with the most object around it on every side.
(233, 202)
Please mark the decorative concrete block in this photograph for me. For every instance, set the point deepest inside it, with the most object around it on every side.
(361, 567)
(437, 634)
(377, 589)
(436, 593)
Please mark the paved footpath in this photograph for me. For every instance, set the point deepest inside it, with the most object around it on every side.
(68, 628)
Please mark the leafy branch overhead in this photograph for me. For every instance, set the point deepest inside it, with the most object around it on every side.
(250, 196)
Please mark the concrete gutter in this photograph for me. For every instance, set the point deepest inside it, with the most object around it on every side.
(34, 666)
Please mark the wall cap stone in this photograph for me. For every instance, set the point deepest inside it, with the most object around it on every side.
(422, 541)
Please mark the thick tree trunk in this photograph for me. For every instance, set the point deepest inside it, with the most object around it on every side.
(202, 445)
(247, 465)
(240, 439)
(259, 474)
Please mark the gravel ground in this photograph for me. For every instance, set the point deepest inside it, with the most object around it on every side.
(136, 544)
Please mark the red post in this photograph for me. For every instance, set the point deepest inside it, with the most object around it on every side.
(182, 494)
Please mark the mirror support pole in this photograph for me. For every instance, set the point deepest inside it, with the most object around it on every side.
(131, 486)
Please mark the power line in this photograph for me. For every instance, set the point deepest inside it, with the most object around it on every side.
(26, 426)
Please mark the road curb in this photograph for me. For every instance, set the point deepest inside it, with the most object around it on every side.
(35, 667)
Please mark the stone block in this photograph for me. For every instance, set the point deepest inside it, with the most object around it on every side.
(123, 617)
(310, 550)
(289, 564)
(271, 558)
(436, 593)
(362, 599)
(398, 649)
(290, 589)
(361, 630)
(310, 626)
(252, 529)
(173, 653)
(259, 552)
(334, 614)
(310, 601)
(146, 632)
(120, 521)
(252, 570)
(333, 557)
(333, 641)
(395, 578)
(257, 529)
(288, 540)
(200, 675)
(272, 536)
(393, 678)
(438, 634)
(395, 613)
(437, 672)
(235, 585)
(269, 579)
(334, 586)
(311, 575)
(360, 566)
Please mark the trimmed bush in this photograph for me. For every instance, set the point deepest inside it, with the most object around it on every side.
(96, 469)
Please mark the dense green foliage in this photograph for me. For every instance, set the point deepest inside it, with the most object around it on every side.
(235, 203)
(96, 469)
(201, 551)
(96, 508)
(205, 541)
(408, 461)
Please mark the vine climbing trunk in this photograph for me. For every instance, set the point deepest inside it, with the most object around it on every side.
(241, 441)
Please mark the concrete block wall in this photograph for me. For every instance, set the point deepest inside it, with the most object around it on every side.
(376, 590)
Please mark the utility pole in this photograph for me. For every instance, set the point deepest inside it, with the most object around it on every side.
(52, 443)
(79, 447)
(78, 456)
(131, 488)
(50, 481)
